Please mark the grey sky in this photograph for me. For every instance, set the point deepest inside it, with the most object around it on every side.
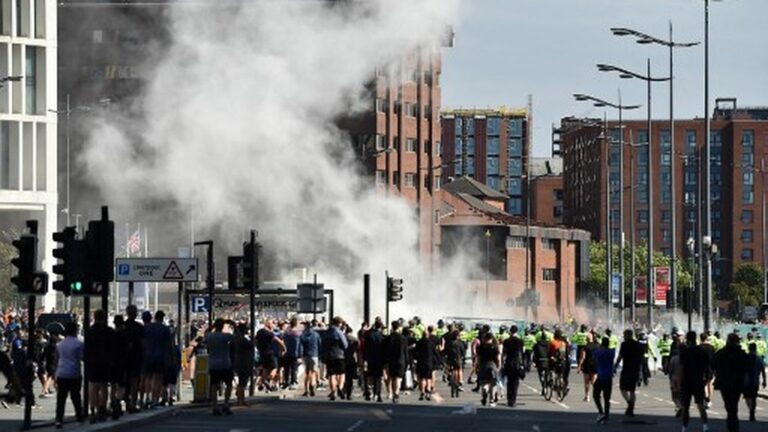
(507, 49)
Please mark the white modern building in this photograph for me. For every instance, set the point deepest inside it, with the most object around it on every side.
(28, 159)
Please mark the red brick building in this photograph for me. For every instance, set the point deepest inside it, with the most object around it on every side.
(739, 162)
(474, 225)
(546, 188)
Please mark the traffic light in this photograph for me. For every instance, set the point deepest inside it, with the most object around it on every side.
(25, 263)
(394, 289)
(250, 264)
(64, 253)
(100, 253)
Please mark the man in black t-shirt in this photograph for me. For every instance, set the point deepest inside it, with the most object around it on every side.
(134, 334)
(632, 354)
(267, 356)
(695, 364)
(514, 369)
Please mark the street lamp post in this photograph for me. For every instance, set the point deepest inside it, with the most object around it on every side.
(600, 103)
(487, 262)
(705, 199)
(649, 79)
(643, 38)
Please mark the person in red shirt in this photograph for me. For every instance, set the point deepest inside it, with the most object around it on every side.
(558, 356)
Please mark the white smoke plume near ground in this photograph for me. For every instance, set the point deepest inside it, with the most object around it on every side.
(237, 123)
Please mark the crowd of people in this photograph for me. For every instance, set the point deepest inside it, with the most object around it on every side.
(134, 363)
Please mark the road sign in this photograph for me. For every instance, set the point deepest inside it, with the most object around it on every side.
(156, 269)
(200, 304)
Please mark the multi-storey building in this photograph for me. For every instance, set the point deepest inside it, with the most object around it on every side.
(546, 189)
(28, 156)
(739, 142)
(491, 146)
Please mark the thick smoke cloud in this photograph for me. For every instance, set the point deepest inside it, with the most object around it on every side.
(237, 125)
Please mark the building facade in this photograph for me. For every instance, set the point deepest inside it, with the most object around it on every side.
(489, 145)
(739, 142)
(546, 188)
(511, 256)
(28, 154)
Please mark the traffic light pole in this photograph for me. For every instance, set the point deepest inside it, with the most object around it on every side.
(104, 281)
(30, 378)
(252, 291)
(367, 299)
(386, 299)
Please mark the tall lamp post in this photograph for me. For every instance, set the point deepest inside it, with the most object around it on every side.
(649, 79)
(645, 39)
(600, 103)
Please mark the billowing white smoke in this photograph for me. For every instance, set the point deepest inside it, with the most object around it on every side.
(237, 123)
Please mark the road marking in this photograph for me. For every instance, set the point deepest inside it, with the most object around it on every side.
(713, 412)
(562, 405)
(614, 402)
(759, 408)
(659, 399)
(353, 427)
(379, 414)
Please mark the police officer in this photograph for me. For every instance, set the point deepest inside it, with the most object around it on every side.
(613, 341)
(529, 340)
(579, 339)
(665, 350)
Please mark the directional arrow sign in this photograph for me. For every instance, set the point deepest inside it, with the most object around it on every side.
(156, 269)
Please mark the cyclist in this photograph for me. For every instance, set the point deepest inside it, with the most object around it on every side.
(559, 361)
(541, 359)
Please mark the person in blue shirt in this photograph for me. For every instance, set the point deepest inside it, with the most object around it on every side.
(69, 353)
(311, 345)
(604, 383)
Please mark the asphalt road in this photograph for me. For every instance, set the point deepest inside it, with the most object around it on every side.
(654, 413)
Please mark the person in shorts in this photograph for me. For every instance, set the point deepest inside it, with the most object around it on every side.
(632, 354)
(220, 365)
(243, 360)
(695, 364)
(311, 345)
(265, 342)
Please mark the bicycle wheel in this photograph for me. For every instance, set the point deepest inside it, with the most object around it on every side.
(548, 387)
(559, 388)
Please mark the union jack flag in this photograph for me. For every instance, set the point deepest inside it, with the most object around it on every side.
(134, 242)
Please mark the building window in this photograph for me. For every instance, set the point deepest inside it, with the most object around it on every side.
(410, 180)
(666, 196)
(470, 122)
(642, 216)
(666, 216)
(492, 182)
(493, 165)
(515, 206)
(381, 142)
(748, 178)
(457, 126)
(558, 194)
(410, 145)
(517, 242)
(515, 186)
(748, 138)
(548, 244)
(515, 147)
(642, 156)
(642, 195)
(471, 146)
(557, 211)
(747, 236)
(438, 148)
(747, 216)
(642, 178)
(748, 195)
(549, 275)
(515, 167)
(691, 215)
(381, 105)
(458, 147)
(410, 110)
(30, 80)
(493, 146)
(381, 177)
(746, 254)
(643, 234)
(494, 125)
(457, 169)
(438, 182)
(515, 128)
(470, 166)
(666, 236)
(690, 138)
(716, 215)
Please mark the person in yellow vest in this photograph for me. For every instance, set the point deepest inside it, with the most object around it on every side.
(762, 346)
(503, 334)
(579, 339)
(613, 341)
(664, 346)
(529, 340)
(440, 330)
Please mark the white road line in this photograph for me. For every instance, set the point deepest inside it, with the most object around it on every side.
(759, 408)
(355, 426)
(562, 405)
(713, 412)
(659, 399)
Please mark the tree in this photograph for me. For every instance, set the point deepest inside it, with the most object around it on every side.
(598, 273)
(747, 285)
(8, 293)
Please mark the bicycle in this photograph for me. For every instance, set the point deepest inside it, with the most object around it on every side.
(559, 387)
(547, 384)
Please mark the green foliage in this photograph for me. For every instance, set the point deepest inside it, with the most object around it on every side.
(8, 293)
(747, 285)
(598, 273)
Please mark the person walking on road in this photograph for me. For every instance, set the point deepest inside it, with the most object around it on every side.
(695, 364)
(311, 344)
(351, 362)
(243, 360)
(488, 362)
(709, 350)
(603, 357)
(158, 351)
(68, 376)
(293, 353)
(265, 342)
(98, 364)
(632, 355)
(396, 358)
(426, 357)
(587, 365)
(220, 365)
(756, 369)
(134, 333)
(335, 344)
(514, 365)
(373, 361)
(731, 364)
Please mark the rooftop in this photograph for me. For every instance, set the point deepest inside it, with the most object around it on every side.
(469, 186)
(502, 111)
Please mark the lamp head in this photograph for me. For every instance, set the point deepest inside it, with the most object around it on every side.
(618, 31)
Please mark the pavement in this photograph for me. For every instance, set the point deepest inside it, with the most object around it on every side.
(288, 412)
